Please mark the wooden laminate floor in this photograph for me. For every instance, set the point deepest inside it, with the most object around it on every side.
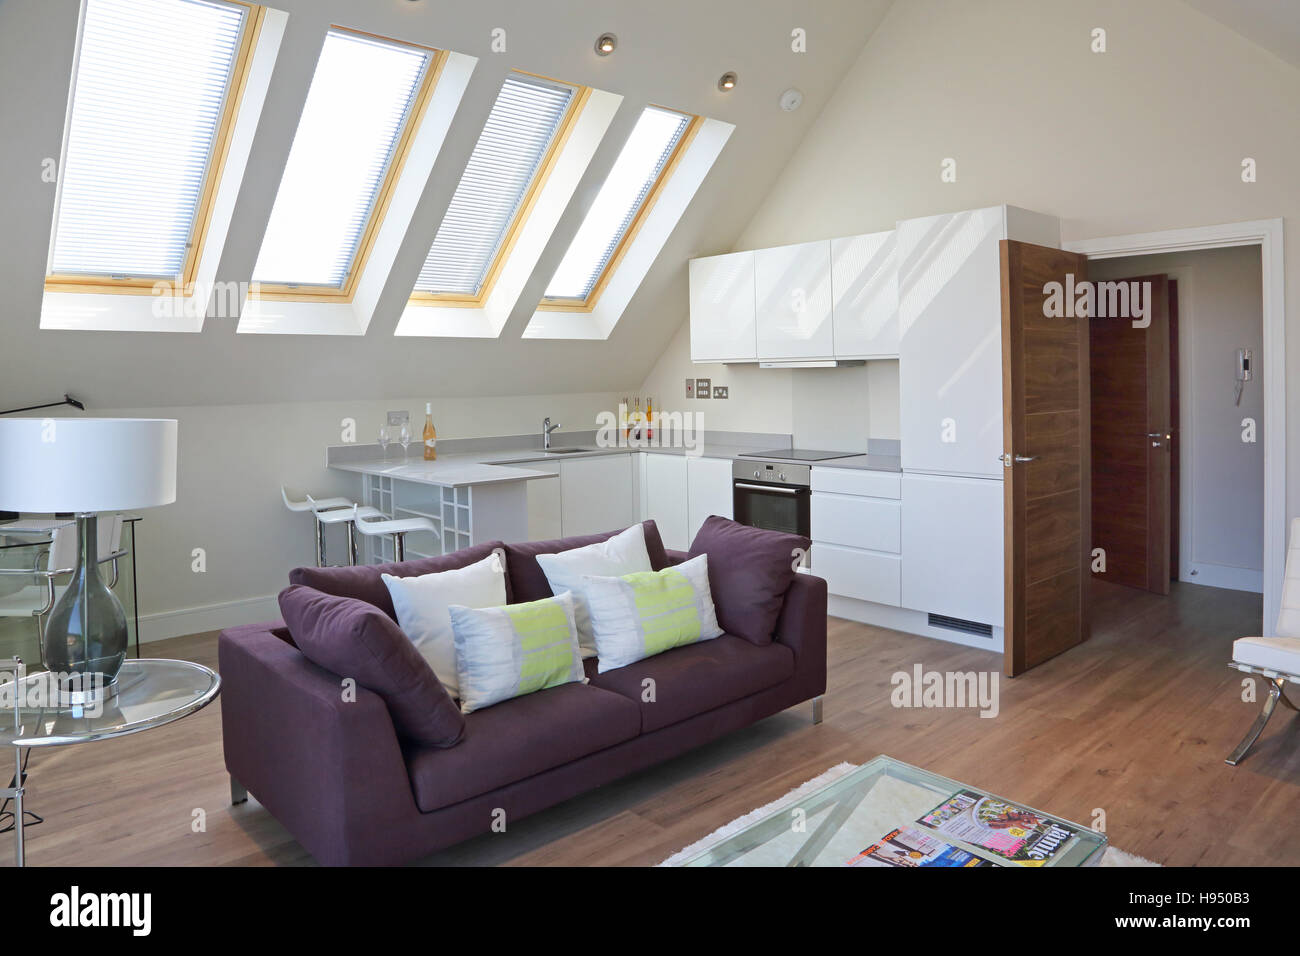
(1135, 723)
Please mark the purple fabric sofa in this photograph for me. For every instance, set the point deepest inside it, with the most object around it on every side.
(339, 777)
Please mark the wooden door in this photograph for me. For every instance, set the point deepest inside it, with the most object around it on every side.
(1132, 437)
(1045, 394)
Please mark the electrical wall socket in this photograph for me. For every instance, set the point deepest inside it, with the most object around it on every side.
(398, 419)
(719, 391)
(690, 388)
(702, 388)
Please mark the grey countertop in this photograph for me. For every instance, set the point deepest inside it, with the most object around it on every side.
(494, 467)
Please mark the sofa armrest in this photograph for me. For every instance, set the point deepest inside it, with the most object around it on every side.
(325, 764)
(676, 557)
(802, 628)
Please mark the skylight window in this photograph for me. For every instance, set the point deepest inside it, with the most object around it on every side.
(360, 108)
(504, 171)
(630, 189)
(153, 96)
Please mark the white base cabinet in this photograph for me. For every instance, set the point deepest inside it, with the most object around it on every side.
(665, 494)
(597, 494)
(952, 547)
(708, 492)
(856, 519)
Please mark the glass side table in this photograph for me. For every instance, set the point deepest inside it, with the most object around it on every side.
(150, 693)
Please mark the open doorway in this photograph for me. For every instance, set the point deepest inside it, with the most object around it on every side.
(1178, 417)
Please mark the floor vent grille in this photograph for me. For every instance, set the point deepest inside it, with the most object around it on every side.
(957, 624)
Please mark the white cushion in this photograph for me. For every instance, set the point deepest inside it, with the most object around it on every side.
(1281, 654)
(624, 553)
(422, 601)
(517, 649)
(638, 615)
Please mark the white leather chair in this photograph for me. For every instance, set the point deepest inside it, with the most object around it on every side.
(1276, 659)
(399, 528)
(316, 506)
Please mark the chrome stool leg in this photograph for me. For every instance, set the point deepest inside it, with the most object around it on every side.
(352, 542)
(1274, 694)
(320, 542)
(399, 545)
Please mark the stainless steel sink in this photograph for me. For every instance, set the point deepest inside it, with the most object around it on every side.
(566, 451)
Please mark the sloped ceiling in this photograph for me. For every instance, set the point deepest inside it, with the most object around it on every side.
(1272, 24)
(670, 52)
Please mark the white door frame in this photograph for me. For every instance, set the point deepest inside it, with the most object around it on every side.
(1267, 234)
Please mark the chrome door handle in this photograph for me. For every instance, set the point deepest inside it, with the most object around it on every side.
(1026, 458)
(1007, 459)
(774, 488)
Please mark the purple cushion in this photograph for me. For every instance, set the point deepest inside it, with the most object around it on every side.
(364, 583)
(527, 582)
(750, 569)
(520, 737)
(698, 677)
(355, 639)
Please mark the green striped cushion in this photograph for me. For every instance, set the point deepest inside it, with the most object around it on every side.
(638, 615)
(515, 649)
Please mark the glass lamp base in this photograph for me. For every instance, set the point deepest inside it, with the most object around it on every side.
(86, 635)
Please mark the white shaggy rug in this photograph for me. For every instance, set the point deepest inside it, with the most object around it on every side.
(1112, 856)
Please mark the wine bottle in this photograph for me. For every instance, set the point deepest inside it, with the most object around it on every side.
(430, 434)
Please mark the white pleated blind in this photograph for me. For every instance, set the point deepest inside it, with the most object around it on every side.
(360, 99)
(519, 130)
(634, 174)
(149, 89)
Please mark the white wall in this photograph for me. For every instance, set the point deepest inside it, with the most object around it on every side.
(1222, 478)
(1147, 136)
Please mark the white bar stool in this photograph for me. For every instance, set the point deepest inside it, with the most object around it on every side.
(399, 528)
(316, 506)
(344, 516)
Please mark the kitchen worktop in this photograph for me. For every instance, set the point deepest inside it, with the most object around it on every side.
(506, 465)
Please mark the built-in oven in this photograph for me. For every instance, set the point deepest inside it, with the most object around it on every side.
(772, 494)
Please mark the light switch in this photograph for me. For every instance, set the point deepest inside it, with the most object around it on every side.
(690, 388)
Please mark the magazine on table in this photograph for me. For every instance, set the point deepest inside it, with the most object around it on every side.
(908, 846)
(1014, 833)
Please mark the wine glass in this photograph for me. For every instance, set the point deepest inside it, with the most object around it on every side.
(384, 438)
(404, 439)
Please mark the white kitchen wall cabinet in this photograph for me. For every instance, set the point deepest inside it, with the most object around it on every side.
(864, 287)
(950, 335)
(666, 498)
(708, 491)
(952, 547)
(597, 494)
(722, 309)
(792, 292)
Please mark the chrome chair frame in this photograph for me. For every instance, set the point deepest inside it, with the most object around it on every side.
(1276, 694)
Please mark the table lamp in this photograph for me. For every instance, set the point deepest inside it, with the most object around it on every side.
(86, 465)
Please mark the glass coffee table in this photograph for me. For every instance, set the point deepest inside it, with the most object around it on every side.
(872, 816)
(150, 693)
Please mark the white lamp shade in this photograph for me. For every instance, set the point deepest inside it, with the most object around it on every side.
(87, 464)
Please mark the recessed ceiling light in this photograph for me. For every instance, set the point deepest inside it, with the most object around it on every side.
(727, 82)
(791, 100)
(605, 44)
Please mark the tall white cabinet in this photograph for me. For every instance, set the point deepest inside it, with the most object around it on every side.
(950, 341)
(950, 406)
